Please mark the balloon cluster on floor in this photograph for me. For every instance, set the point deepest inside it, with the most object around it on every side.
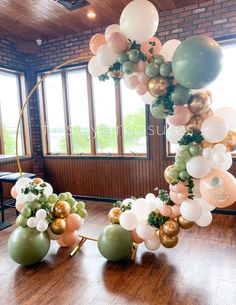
(171, 78)
(44, 216)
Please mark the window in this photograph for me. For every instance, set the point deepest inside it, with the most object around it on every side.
(11, 93)
(84, 116)
(222, 89)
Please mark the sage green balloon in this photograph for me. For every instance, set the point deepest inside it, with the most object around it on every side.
(134, 55)
(197, 62)
(128, 67)
(180, 95)
(115, 243)
(184, 175)
(165, 69)
(159, 111)
(152, 70)
(158, 59)
(123, 57)
(180, 165)
(27, 246)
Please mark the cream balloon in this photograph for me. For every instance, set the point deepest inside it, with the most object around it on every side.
(175, 133)
(205, 219)
(111, 29)
(105, 56)
(148, 98)
(132, 19)
(169, 47)
(153, 244)
(94, 67)
(198, 167)
(145, 231)
(191, 210)
(128, 220)
(228, 114)
(214, 129)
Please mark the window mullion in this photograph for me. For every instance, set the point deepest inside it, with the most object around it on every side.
(119, 130)
(91, 114)
(66, 113)
(1, 132)
(44, 120)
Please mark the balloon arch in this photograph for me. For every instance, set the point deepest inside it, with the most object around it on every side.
(171, 78)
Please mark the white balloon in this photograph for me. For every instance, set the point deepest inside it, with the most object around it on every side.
(191, 210)
(32, 222)
(198, 167)
(139, 208)
(175, 133)
(207, 153)
(42, 225)
(227, 164)
(139, 20)
(22, 198)
(214, 129)
(148, 98)
(105, 56)
(41, 214)
(228, 114)
(150, 196)
(152, 244)
(22, 183)
(152, 205)
(205, 219)
(220, 147)
(30, 197)
(127, 201)
(128, 220)
(145, 231)
(111, 29)
(94, 67)
(205, 205)
(218, 157)
(48, 189)
(168, 49)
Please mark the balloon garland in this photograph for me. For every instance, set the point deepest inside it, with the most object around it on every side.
(166, 77)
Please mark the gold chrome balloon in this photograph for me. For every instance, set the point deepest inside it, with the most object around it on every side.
(168, 179)
(61, 209)
(58, 226)
(195, 122)
(230, 141)
(114, 215)
(37, 180)
(168, 242)
(184, 223)
(170, 228)
(158, 86)
(116, 74)
(199, 103)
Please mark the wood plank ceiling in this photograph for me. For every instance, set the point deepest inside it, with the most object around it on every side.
(32, 19)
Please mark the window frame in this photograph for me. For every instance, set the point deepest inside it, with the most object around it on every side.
(24, 124)
(170, 156)
(118, 105)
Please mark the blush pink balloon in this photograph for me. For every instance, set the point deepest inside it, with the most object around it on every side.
(69, 238)
(179, 187)
(61, 243)
(146, 46)
(141, 66)
(143, 78)
(117, 42)
(141, 89)
(19, 206)
(174, 198)
(13, 192)
(171, 187)
(181, 116)
(136, 239)
(165, 210)
(182, 196)
(175, 209)
(97, 41)
(172, 216)
(133, 82)
(73, 222)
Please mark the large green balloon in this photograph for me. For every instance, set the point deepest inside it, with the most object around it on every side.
(180, 95)
(197, 62)
(28, 246)
(159, 111)
(115, 243)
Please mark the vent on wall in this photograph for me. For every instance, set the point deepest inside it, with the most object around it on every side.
(73, 4)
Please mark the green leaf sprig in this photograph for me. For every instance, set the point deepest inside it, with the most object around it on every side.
(164, 196)
(156, 219)
(191, 136)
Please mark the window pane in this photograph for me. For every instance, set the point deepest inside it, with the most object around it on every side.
(134, 122)
(79, 113)
(55, 114)
(10, 107)
(105, 115)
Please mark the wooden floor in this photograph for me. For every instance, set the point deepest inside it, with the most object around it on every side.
(201, 270)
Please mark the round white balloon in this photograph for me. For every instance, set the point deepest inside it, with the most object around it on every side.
(32, 222)
(127, 201)
(175, 133)
(139, 20)
(205, 219)
(105, 56)
(22, 183)
(205, 205)
(41, 214)
(214, 129)
(139, 208)
(42, 225)
(198, 167)
(220, 148)
(191, 210)
(113, 28)
(152, 244)
(168, 49)
(94, 67)
(228, 114)
(128, 220)
(48, 189)
(148, 98)
(145, 231)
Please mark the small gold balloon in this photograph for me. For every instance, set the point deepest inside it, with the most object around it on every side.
(184, 223)
(199, 103)
(37, 180)
(195, 122)
(116, 74)
(158, 86)
(230, 141)
(166, 241)
(168, 179)
(114, 215)
(58, 226)
(170, 228)
(61, 209)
